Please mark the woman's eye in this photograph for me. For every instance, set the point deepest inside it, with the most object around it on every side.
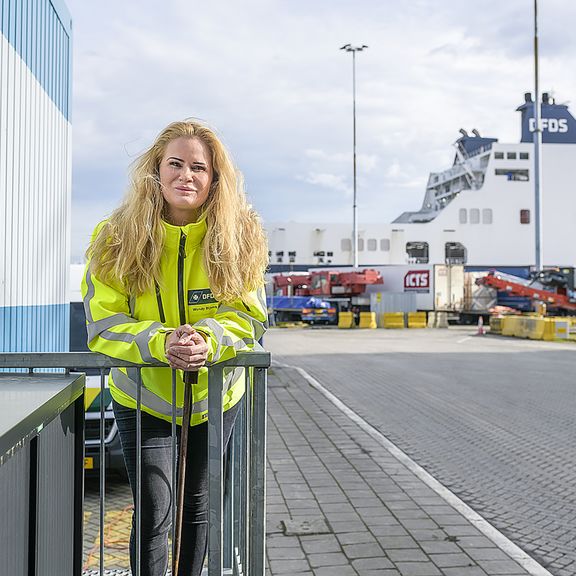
(175, 164)
(198, 168)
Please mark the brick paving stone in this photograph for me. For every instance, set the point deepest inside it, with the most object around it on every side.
(356, 538)
(384, 519)
(348, 526)
(499, 566)
(418, 569)
(289, 566)
(388, 529)
(363, 564)
(396, 542)
(464, 571)
(434, 547)
(408, 555)
(487, 554)
(327, 559)
(282, 541)
(369, 550)
(462, 530)
(320, 544)
(427, 535)
(290, 553)
(335, 571)
(451, 560)
(475, 542)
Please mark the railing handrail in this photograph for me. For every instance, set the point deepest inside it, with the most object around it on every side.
(69, 360)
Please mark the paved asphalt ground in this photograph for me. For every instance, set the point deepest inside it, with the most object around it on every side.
(493, 419)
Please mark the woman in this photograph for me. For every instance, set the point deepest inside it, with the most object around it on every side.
(175, 275)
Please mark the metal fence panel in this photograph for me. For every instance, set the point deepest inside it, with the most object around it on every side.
(14, 511)
(55, 488)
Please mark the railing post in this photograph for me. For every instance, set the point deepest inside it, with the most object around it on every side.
(258, 476)
(102, 465)
(215, 496)
(174, 486)
(138, 503)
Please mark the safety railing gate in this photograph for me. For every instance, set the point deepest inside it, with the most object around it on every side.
(236, 510)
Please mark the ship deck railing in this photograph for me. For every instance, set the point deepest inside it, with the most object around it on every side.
(30, 484)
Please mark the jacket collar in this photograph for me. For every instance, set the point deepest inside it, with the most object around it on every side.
(194, 233)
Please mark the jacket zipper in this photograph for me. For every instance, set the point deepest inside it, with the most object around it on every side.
(181, 256)
(160, 305)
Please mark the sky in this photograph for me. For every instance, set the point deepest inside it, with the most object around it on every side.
(269, 76)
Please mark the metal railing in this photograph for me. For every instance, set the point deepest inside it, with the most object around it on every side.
(236, 515)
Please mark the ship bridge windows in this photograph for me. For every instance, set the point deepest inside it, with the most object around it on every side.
(455, 253)
(513, 174)
(475, 216)
(346, 245)
(499, 155)
(524, 156)
(417, 252)
(385, 244)
(510, 155)
(372, 244)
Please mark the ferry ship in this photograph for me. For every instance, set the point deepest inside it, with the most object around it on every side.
(479, 212)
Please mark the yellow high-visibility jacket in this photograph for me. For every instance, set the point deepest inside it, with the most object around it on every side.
(135, 328)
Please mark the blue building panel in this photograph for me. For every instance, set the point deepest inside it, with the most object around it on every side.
(40, 32)
(34, 175)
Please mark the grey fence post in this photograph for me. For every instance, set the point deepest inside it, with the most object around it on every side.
(258, 475)
(138, 503)
(102, 466)
(174, 460)
(215, 496)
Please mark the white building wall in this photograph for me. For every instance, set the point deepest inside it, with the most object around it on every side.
(35, 175)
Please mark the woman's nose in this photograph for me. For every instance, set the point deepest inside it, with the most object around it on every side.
(186, 174)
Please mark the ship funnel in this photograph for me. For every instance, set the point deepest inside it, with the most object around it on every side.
(528, 97)
(475, 132)
(463, 132)
(545, 98)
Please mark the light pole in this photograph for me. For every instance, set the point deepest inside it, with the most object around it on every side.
(354, 49)
(537, 153)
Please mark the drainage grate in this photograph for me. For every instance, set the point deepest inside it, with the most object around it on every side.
(305, 527)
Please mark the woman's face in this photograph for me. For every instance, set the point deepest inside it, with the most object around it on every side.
(185, 177)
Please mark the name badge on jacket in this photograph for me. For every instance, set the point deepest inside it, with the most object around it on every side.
(204, 296)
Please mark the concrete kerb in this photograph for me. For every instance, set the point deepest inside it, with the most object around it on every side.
(492, 533)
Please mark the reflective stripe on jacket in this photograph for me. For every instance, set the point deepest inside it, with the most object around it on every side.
(135, 328)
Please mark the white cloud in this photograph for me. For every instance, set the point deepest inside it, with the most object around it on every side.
(331, 181)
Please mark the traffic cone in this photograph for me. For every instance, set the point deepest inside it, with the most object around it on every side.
(481, 330)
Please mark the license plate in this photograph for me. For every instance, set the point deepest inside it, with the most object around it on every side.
(88, 463)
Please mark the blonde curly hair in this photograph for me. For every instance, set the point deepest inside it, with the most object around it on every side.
(129, 245)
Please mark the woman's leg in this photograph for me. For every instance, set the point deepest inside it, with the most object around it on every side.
(195, 516)
(156, 466)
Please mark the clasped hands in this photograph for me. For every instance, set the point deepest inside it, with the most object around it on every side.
(186, 349)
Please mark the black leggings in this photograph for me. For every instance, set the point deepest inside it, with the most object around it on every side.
(156, 490)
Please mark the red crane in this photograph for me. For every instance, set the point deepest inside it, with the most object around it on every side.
(552, 299)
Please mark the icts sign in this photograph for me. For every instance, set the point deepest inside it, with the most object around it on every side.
(417, 281)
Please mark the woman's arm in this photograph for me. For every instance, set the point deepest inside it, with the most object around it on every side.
(235, 327)
(111, 328)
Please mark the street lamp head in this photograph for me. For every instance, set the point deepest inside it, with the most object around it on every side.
(350, 48)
